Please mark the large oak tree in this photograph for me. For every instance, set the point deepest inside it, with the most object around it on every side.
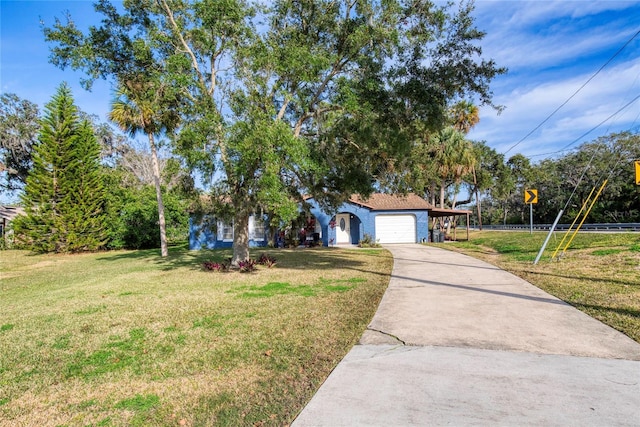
(290, 97)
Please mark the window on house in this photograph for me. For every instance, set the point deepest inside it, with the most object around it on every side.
(227, 231)
(258, 229)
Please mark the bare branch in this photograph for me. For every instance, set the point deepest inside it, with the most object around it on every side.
(283, 109)
(194, 60)
(298, 127)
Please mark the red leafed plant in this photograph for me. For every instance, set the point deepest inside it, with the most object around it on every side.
(247, 266)
(215, 266)
(267, 260)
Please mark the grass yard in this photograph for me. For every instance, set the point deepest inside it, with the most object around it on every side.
(127, 338)
(599, 273)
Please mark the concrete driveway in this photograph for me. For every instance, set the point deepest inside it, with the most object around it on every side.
(457, 341)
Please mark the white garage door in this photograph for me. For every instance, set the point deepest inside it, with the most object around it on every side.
(396, 228)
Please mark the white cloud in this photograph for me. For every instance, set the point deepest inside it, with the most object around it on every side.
(541, 34)
(516, 13)
(551, 49)
(607, 93)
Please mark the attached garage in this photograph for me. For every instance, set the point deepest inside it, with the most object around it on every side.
(386, 218)
(395, 228)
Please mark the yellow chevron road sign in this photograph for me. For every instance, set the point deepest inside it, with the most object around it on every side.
(531, 196)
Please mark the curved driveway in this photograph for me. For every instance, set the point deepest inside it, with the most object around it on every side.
(457, 341)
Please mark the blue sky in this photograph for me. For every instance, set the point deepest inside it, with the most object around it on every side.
(550, 47)
(24, 56)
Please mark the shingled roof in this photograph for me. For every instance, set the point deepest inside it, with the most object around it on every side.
(10, 212)
(389, 202)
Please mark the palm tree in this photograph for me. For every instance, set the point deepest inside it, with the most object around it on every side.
(463, 116)
(144, 105)
(455, 158)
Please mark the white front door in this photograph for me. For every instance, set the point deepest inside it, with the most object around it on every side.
(343, 228)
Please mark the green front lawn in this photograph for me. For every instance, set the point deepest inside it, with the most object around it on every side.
(127, 338)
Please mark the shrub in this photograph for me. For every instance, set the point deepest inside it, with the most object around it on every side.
(247, 266)
(133, 217)
(215, 266)
(368, 242)
(266, 260)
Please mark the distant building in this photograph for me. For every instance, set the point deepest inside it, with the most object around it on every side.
(7, 214)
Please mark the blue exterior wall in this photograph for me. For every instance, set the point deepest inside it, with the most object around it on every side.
(364, 222)
(202, 231)
(203, 235)
(422, 224)
(358, 226)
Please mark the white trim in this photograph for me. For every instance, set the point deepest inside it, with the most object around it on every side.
(253, 235)
(221, 228)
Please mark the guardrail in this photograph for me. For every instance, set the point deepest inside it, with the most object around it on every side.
(632, 226)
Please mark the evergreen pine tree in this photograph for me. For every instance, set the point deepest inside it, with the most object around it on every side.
(84, 201)
(64, 195)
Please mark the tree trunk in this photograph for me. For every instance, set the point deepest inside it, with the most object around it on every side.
(478, 203)
(442, 195)
(432, 193)
(479, 209)
(452, 218)
(164, 250)
(240, 237)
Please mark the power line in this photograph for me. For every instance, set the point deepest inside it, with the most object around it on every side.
(575, 93)
(584, 172)
(589, 131)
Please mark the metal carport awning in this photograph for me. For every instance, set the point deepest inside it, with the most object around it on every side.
(440, 212)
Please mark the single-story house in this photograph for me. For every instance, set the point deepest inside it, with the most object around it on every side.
(383, 218)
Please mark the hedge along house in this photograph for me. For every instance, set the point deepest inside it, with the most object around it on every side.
(383, 218)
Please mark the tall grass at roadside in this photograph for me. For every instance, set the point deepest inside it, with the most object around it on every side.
(598, 274)
(129, 338)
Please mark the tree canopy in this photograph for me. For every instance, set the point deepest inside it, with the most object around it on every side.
(278, 99)
(18, 134)
(563, 182)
